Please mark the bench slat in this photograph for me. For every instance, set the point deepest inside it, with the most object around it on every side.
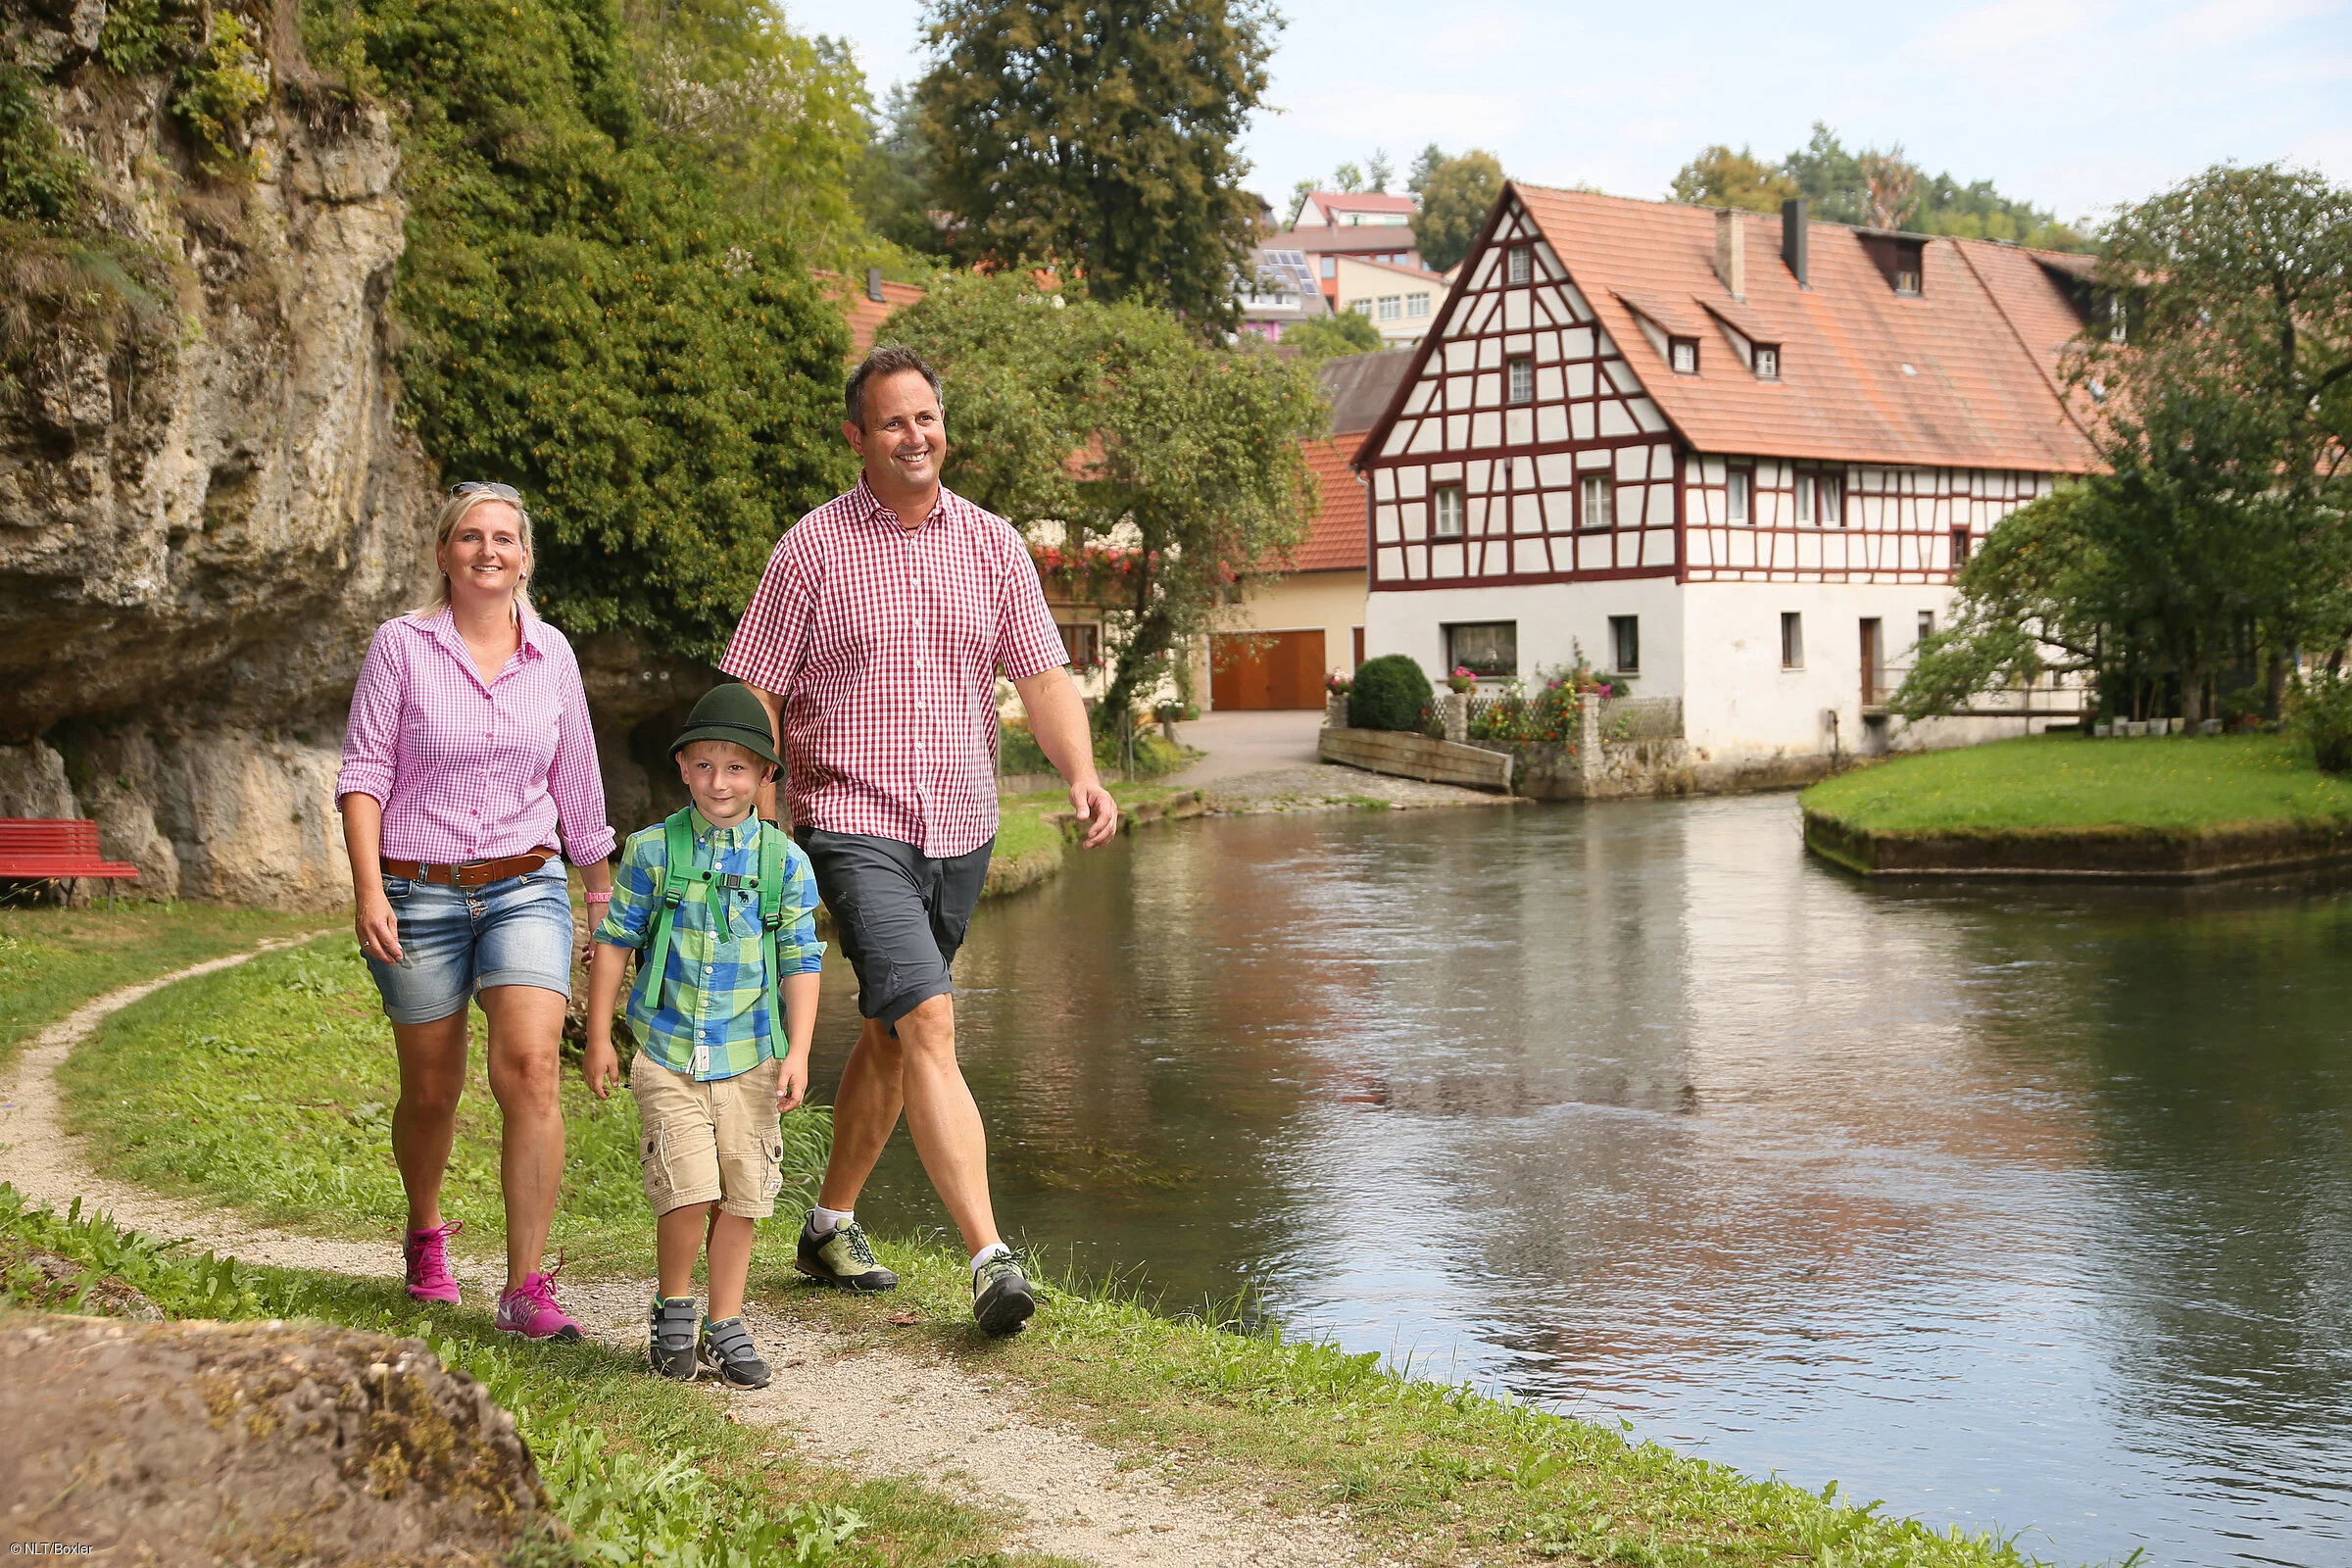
(48, 848)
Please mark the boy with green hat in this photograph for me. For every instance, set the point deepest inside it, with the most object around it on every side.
(721, 908)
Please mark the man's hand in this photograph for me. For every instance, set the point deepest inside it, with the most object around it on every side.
(601, 1065)
(792, 1081)
(377, 926)
(1096, 809)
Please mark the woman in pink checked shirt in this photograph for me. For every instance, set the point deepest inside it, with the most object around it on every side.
(467, 751)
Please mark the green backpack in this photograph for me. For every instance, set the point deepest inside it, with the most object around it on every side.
(674, 887)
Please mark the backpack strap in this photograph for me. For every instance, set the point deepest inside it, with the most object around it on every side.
(679, 881)
(772, 922)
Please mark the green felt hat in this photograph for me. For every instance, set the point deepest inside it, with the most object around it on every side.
(730, 713)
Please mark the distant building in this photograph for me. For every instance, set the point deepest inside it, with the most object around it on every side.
(1400, 301)
(1341, 209)
(1323, 244)
(1735, 461)
(866, 308)
(1277, 292)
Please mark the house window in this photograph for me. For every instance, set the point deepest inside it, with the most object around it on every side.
(1906, 280)
(1390, 307)
(1768, 362)
(1831, 494)
(1804, 498)
(1081, 645)
(1523, 379)
(2117, 324)
(1416, 305)
(1683, 354)
(1738, 483)
(1625, 643)
(1447, 506)
(1598, 503)
(1793, 640)
(1331, 266)
(1484, 647)
(1360, 307)
(1962, 544)
(1927, 624)
(1518, 265)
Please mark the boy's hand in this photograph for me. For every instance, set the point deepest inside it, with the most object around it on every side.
(792, 1081)
(600, 1063)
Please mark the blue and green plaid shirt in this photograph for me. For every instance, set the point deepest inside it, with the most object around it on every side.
(709, 1019)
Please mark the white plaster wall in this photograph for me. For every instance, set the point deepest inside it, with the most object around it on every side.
(1553, 619)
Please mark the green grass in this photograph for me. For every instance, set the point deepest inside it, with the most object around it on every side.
(52, 961)
(270, 1087)
(242, 1086)
(643, 1470)
(2170, 785)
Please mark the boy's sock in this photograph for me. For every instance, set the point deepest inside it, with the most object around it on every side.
(992, 1250)
(824, 1222)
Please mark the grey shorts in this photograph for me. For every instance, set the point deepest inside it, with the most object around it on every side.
(899, 915)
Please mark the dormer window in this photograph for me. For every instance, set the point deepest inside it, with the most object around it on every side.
(1767, 361)
(1901, 259)
(1523, 379)
(1683, 354)
(1518, 265)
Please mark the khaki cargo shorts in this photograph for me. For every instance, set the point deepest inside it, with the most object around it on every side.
(718, 1142)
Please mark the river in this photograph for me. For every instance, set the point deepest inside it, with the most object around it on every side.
(2026, 1207)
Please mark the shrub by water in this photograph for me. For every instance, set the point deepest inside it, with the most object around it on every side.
(1391, 693)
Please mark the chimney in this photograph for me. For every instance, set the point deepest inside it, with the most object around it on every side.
(1731, 252)
(873, 284)
(1793, 239)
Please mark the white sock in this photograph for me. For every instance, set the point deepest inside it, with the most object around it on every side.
(824, 1222)
(992, 1250)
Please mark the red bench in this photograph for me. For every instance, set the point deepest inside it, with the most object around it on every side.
(54, 850)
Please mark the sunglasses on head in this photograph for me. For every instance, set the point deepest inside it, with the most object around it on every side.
(484, 487)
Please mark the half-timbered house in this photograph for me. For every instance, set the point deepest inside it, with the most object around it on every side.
(1733, 459)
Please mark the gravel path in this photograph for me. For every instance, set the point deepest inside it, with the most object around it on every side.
(918, 1417)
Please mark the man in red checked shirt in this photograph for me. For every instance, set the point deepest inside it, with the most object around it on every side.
(875, 640)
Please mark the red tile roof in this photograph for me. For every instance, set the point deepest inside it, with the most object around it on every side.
(1336, 540)
(1362, 201)
(1981, 341)
(864, 316)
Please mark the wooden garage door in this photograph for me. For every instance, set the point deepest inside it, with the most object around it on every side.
(1266, 670)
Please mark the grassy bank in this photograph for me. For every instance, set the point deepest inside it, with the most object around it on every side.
(1034, 832)
(52, 961)
(643, 1470)
(2065, 783)
(253, 1087)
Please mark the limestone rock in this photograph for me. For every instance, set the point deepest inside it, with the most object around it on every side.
(250, 1443)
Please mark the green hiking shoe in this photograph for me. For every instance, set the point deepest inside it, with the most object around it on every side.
(1002, 1299)
(843, 1259)
(727, 1351)
(670, 1346)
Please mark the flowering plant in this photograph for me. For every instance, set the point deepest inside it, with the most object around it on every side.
(1463, 679)
(1340, 682)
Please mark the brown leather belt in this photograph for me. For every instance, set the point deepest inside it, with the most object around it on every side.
(473, 873)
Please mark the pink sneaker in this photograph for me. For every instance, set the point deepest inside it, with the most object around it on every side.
(427, 1255)
(530, 1311)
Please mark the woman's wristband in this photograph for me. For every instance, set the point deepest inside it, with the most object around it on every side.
(604, 897)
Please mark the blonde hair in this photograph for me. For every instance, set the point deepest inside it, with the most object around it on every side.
(453, 512)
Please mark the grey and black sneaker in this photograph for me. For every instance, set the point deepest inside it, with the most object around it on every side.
(727, 1351)
(1002, 1299)
(843, 1259)
(671, 1348)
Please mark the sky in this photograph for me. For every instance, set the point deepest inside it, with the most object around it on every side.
(2073, 105)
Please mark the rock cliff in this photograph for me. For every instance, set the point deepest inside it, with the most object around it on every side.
(208, 501)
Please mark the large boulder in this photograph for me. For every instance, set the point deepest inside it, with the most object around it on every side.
(255, 1443)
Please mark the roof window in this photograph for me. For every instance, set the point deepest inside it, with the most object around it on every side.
(1765, 358)
(1683, 354)
(1901, 259)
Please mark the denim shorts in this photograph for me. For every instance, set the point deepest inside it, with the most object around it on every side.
(457, 941)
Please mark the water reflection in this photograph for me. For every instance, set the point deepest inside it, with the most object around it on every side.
(2018, 1208)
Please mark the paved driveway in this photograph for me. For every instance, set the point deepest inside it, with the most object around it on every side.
(1242, 741)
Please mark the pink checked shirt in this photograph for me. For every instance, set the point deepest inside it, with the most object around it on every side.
(885, 644)
(468, 771)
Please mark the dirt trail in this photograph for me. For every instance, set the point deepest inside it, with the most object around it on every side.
(913, 1416)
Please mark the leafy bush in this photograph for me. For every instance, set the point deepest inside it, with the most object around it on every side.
(1017, 752)
(1390, 692)
(2323, 720)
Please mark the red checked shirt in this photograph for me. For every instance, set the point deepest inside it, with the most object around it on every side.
(885, 643)
(468, 770)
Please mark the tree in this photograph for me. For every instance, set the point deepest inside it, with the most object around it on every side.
(1455, 199)
(1101, 140)
(1378, 171)
(1115, 420)
(1721, 177)
(1324, 337)
(1424, 164)
(889, 186)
